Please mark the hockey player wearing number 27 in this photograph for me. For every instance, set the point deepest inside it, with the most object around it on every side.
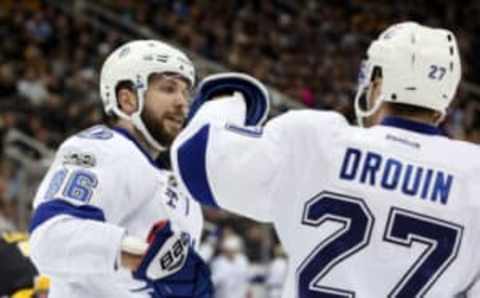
(106, 190)
(390, 209)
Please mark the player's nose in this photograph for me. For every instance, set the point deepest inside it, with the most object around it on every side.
(182, 100)
(181, 103)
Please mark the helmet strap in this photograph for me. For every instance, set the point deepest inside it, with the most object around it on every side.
(361, 113)
(136, 119)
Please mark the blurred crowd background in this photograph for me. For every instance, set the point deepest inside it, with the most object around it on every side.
(309, 51)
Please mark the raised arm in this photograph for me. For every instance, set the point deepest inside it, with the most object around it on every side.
(224, 157)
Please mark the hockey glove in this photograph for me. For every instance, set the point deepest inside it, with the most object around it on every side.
(254, 93)
(172, 268)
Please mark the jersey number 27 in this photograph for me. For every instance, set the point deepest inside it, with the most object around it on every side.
(403, 228)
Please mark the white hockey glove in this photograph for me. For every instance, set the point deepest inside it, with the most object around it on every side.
(230, 86)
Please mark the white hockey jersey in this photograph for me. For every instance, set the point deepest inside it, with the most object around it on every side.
(101, 187)
(389, 211)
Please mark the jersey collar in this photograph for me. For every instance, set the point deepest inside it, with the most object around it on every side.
(129, 136)
(415, 126)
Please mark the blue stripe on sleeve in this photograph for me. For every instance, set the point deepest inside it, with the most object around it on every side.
(50, 209)
(192, 166)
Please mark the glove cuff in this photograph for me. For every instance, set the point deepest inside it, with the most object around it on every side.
(254, 92)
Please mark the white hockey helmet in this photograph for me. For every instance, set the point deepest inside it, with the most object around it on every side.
(420, 66)
(135, 61)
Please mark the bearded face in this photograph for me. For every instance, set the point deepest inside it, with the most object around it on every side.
(166, 107)
(163, 128)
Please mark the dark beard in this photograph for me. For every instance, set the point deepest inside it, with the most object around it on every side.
(157, 131)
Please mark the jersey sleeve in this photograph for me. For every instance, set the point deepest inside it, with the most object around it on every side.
(227, 165)
(66, 245)
(473, 191)
(83, 173)
(73, 225)
(246, 170)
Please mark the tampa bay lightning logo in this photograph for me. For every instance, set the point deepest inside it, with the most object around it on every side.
(172, 197)
(175, 198)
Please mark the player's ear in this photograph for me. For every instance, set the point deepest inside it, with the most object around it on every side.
(127, 101)
(375, 88)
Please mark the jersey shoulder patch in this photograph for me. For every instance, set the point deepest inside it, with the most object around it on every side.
(94, 146)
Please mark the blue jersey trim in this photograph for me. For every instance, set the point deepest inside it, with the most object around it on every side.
(192, 167)
(415, 126)
(256, 101)
(128, 135)
(50, 209)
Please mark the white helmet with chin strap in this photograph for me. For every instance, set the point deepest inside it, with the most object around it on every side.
(420, 66)
(135, 61)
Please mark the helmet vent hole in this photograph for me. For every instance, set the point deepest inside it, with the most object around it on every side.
(451, 66)
(161, 58)
(451, 51)
(449, 37)
(394, 96)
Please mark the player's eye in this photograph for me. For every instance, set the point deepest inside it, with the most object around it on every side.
(168, 88)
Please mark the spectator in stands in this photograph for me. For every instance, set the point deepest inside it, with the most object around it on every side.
(277, 272)
(230, 269)
(7, 80)
(5, 206)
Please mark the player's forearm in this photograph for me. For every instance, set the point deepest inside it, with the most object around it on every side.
(132, 252)
(130, 261)
(229, 169)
